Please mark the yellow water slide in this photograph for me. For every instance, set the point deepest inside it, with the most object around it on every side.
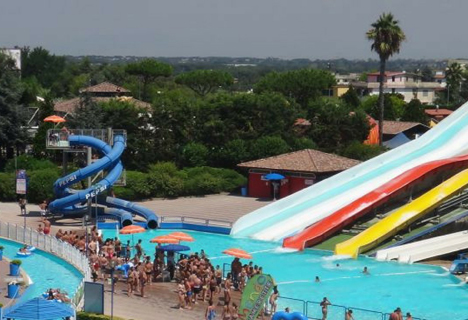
(402, 217)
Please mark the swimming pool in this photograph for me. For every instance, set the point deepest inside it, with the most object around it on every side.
(45, 270)
(426, 291)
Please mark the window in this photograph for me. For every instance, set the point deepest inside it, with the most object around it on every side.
(393, 79)
(393, 90)
(425, 93)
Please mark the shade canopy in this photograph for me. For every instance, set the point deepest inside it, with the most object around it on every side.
(39, 309)
(54, 119)
(132, 229)
(181, 236)
(238, 253)
(174, 248)
(274, 176)
(164, 239)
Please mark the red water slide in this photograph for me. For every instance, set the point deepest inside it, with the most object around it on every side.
(325, 228)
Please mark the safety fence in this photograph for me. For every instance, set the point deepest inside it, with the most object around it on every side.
(51, 245)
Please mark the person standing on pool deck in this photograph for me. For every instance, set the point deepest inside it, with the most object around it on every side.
(46, 225)
(139, 249)
(22, 205)
(324, 304)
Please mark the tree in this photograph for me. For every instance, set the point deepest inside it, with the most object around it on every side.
(39, 63)
(351, 98)
(386, 36)
(302, 85)
(88, 114)
(414, 111)
(454, 76)
(205, 81)
(393, 103)
(148, 70)
(426, 74)
(12, 113)
(335, 125)
(268, 146)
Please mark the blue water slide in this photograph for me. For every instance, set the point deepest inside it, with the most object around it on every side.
(110, 156)
(111, 162)
(101, 186)
(151, 218)
(124, 217)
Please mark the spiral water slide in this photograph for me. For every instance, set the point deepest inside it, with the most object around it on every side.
(293, 214)
(70, 201)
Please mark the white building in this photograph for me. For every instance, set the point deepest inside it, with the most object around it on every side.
(409, 85)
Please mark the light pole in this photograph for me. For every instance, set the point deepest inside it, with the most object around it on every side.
(112, 264)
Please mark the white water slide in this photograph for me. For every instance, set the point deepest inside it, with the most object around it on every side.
(304, 208)
(425, 249)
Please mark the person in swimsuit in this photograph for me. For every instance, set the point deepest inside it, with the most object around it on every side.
(148, 269)
(142, 281)
(227, 289)
(47, 224)
(366, 271)
(273, 300)
(213, 287)
(349, 315)
(210, 313)
(188, 296)
(130, 281)
(324, 304)
(234, 311)
(409, 316)
(181, 294)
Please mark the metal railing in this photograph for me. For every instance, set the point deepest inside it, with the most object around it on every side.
(198, 221)
(51, 245)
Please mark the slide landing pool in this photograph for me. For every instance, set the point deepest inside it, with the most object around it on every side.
(426, 291)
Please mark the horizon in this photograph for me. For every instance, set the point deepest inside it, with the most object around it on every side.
(301, 29)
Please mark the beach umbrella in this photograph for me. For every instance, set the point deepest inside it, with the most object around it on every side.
(238, 253)
(54, 119)
(174, 248)
(164, 239)
(132, 229)
(181, 236)
(274, 176)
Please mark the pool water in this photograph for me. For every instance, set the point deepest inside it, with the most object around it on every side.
(426, 291)
(45, 270)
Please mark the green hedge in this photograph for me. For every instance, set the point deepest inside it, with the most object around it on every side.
(92, 316)
(28, 163)
(7, 187)
(165, 180)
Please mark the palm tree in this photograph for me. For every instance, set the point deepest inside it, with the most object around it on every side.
(454, 76)
(386, 36)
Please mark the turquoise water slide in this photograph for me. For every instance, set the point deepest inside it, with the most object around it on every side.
(302, 209)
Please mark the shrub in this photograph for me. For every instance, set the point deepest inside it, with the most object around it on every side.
(7, 187)
(194, 155)
(29, 163)
(207, 180)
(138, 183)
(362, 152)
(40, 184)
(125, 193)
(16, 261)
(268, 146)
(164, 180)
(92, 316)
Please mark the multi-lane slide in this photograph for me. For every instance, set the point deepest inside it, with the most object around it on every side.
(69, 200)
(345, 216)
(292, 214)
(403, 217)
(425, 249)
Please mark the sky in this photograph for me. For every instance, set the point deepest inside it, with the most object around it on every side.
(314, 29)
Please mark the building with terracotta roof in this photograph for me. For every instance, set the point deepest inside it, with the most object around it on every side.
(410, 129)
(300, 169)
(102, 92)
(438, 114)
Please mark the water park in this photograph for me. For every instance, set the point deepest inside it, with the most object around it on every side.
(301, 248)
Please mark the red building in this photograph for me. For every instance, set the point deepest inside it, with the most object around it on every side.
(300, 169)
